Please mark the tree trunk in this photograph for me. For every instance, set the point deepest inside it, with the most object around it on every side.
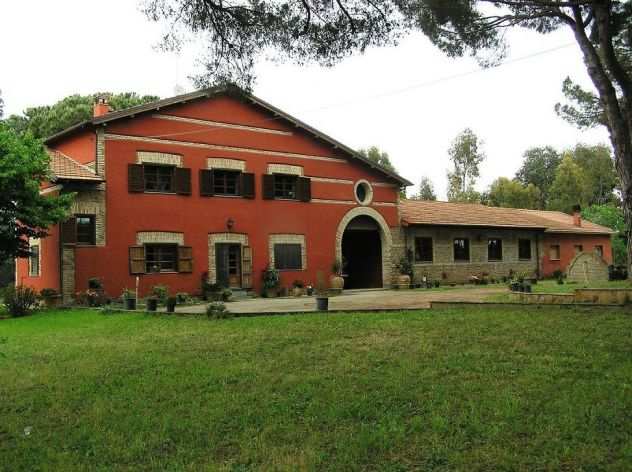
(618, 110)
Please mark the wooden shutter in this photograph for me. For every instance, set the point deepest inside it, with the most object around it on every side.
(69, 231)
(304, 189)
(246, 267)
(206, 183)
(185, 259)
(135, 178)
(248, 185)
(183, 181)
(137, 259)
(268, 186)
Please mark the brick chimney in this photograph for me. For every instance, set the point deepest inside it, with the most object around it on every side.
(577, 216)
(101, 107)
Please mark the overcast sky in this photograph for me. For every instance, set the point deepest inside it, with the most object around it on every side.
(410, 100)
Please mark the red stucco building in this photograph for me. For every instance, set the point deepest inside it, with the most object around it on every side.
(218, 184)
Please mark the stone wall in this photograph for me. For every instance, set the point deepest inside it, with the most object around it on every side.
(68, 274)
(443, 267)
(587, 267)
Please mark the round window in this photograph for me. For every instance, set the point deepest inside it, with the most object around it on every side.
(363, 192)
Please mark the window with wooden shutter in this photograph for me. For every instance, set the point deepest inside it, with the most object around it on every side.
(135, 178)
(183, 181)
(267, 186)
(246, 267)
(185, 259)
(206, 183)
(304, 189)
(248, 185)
(137, 260)
(69, 231)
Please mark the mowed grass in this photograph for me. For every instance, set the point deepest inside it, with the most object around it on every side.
(517, 389)
(551, 286)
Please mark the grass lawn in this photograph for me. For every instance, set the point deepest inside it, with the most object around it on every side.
(545, 389)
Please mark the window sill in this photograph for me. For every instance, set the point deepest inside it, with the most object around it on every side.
(423, 262)
(290, 270)
(166, 272)
(286, 199)
(151, 192)
(525, 260)
(494, 260)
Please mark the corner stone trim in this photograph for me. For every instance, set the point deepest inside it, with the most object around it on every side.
(230, 164)
(145, 157)
(285, 169)
(159, 237)
(386, 238)
(92, 202)
(288, 239)
(215, 238)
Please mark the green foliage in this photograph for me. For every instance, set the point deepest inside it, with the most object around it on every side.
(217, 311)
(381, 158)
(270, 277)
(466, 155)
(20, 300)
(161, 292)
(538, 168)
(512, 194)
(610, 216)
(24, 163)
(48, 293)
(183, 297)
(1, 105)
(598, 166)
(44, 121)
(426, 191)
(570, 186)
(405, 266)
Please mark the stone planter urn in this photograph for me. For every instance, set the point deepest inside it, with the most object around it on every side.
(337, 283)
(403, 281)
(271, 292)
(297, 291)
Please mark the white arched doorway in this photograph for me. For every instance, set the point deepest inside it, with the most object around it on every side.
(364, 229)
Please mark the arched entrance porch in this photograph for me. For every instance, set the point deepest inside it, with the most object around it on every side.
(363, 242)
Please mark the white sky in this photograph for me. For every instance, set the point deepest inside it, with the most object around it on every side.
(392, 98)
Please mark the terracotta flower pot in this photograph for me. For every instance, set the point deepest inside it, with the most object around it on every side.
(297, 291)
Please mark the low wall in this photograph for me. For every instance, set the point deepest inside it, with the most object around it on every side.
(597, 296)
(544, 298)
(614, 296)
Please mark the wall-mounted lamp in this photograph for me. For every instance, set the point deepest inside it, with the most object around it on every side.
(230, 223)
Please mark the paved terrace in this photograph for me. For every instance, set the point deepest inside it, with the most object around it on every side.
(357, 300)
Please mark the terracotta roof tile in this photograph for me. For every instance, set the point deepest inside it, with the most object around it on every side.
(416, 212)
(66, 168)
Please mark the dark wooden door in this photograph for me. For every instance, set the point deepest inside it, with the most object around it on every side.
(228, 265)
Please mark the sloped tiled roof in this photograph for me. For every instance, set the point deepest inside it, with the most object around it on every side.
(416, 212)
(66, 168)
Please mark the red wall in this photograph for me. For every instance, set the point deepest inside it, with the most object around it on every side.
(567, 244)
(196, 216)
(49, 265)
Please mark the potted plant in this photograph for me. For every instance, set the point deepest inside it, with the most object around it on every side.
(171, 304)
(129, 299)
(151, 303)
(51, 297)
(270, 277)
(310, 290)
(405, 270)
(337, 282)
(322, 295)
(297, 288)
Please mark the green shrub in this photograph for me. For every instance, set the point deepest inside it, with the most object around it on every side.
(20, 300)
(217, 311)
(48, 293)
(183, 297)
(161, 292)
